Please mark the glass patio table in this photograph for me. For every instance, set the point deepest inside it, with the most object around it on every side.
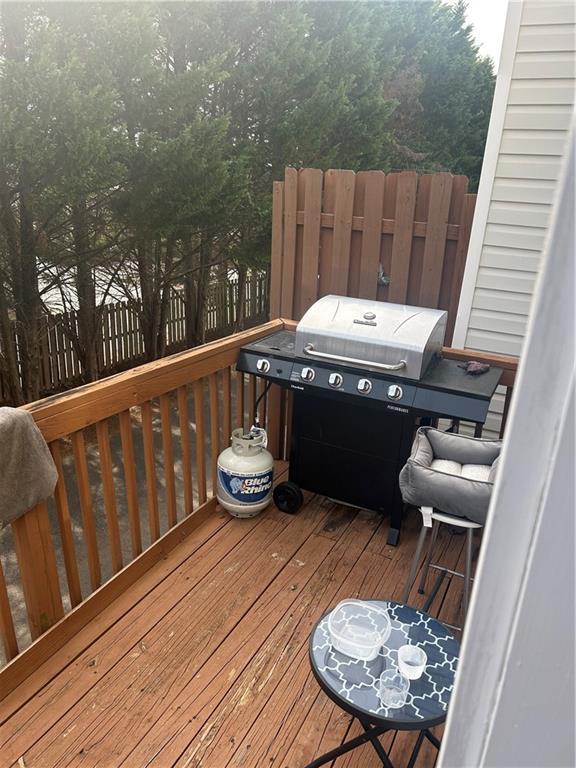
(354, 685)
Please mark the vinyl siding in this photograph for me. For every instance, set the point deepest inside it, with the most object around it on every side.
(533, 141)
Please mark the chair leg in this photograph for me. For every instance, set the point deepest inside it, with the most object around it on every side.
(435, 529)
(468, 569)
(414, 566)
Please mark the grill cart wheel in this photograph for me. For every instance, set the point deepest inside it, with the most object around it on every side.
(288, 497)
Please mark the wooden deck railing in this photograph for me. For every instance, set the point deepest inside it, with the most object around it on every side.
(187, 404)
(102, 437)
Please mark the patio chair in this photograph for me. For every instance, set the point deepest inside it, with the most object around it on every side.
(450, 478)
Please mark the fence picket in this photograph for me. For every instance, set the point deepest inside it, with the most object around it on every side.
(367, 281)
(311, 238)
(61, 344)
(345, 181)
(402, 239)
(326, 234)
(417, 253)
(289, 244)
(105, 336)
(53, 352)
(435, 242)
(44, 354)
(113, 340)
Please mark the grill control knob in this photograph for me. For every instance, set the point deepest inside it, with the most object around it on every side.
(365, 386)
(263, 365)
(335, 380)
(308, 374)
(395, 392)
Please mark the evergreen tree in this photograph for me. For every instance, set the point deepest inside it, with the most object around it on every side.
(139, 142)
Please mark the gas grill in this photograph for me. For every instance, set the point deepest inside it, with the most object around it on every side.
(364, 375)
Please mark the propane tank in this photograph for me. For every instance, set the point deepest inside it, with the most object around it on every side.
(245, 472)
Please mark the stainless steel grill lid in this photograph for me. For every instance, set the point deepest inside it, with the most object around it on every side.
(372, 334)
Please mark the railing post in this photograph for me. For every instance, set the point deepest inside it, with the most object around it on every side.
(38, 569)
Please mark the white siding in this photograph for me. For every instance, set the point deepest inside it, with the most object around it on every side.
(514, 699)
(522, 165)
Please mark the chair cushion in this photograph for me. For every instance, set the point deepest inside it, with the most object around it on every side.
(469, 471)
(453, 473)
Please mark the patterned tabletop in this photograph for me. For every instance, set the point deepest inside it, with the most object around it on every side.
(354, 684)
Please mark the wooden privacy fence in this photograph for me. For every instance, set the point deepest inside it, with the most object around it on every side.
(395, 237)
(120, 343)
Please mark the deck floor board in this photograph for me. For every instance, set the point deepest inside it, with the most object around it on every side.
(207, 666)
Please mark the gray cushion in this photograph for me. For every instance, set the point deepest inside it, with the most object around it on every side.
(443, 471)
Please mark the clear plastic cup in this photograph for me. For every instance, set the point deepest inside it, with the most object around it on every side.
(394, 688)
(411, 661)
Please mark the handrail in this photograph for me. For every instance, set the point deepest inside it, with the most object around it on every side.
(59, 415)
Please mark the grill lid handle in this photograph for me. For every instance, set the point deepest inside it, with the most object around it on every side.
(309, 350)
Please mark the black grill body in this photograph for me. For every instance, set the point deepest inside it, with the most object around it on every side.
(351, 445)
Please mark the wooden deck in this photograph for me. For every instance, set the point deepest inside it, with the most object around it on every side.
(203, 662)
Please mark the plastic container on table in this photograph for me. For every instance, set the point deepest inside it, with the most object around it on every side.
(359, 629)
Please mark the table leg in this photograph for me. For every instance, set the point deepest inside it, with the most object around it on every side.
(370, 734)
(380, 751)
(425, 734)
(416, 751)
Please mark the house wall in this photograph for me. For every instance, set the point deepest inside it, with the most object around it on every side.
(514, 700)
(526, 144)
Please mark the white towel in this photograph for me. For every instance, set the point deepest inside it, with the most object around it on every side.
(27, 471)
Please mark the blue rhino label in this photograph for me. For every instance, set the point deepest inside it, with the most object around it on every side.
(244, 487)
